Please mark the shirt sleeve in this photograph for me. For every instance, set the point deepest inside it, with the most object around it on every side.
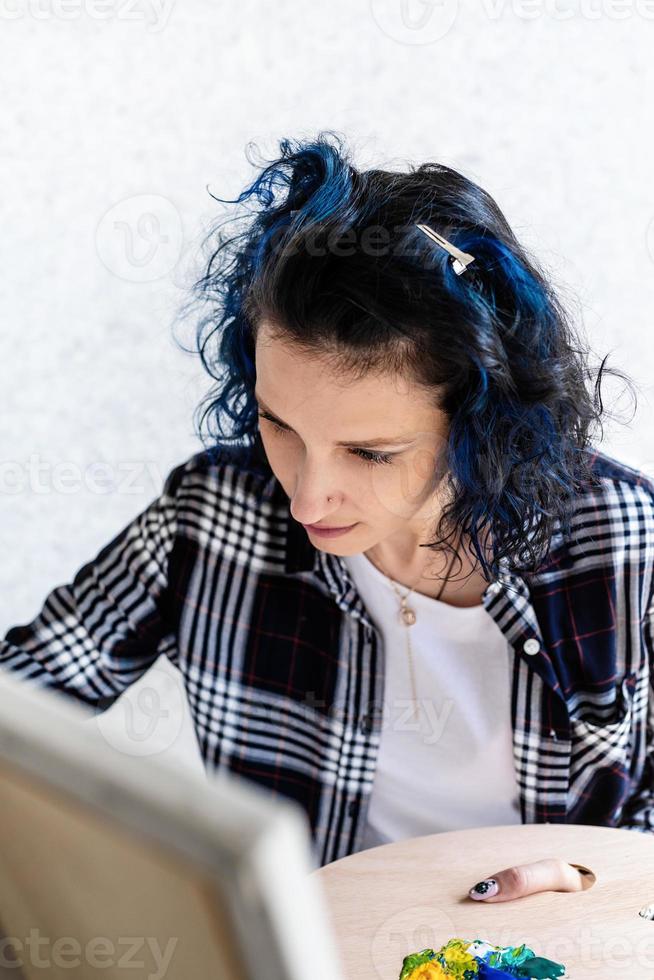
(638, 811)
(98, 634)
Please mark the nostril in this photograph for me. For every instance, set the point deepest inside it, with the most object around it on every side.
(588, 877)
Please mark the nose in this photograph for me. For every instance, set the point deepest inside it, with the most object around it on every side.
(314, 499)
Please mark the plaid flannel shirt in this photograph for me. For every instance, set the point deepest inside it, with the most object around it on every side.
(284, 670)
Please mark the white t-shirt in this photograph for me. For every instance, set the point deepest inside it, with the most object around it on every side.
(458, 771)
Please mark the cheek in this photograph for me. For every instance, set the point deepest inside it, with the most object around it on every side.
(428, 466)
(278, 457)
(401, 488)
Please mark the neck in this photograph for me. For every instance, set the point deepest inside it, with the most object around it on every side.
(425, 572)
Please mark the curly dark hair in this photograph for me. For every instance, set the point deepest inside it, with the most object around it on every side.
(331, 255)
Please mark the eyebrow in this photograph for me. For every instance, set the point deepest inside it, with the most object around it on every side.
(360, 444)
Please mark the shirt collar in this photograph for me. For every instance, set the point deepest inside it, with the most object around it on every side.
(300, 554)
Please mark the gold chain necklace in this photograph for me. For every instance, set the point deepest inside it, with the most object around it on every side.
(408, 617)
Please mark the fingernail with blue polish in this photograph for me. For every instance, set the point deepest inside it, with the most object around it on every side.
(484, 889)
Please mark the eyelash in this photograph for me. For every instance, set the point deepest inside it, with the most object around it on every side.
(366, 455)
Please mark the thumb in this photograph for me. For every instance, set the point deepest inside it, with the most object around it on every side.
(550, 874)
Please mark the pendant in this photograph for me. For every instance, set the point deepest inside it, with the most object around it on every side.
(408, 615)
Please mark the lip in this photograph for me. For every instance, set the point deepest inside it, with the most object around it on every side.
(328, 532)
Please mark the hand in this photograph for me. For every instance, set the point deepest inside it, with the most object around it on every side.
(550, 874)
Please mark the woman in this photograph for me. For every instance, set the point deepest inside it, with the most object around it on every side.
(473, 647)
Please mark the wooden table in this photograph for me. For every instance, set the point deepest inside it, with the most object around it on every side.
(386, 902)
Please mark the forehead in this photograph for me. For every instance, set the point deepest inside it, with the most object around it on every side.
(279, 362)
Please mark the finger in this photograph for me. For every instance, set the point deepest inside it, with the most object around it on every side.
(550, 874)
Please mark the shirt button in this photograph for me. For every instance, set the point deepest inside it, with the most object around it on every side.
(531, 645)
(366, 725)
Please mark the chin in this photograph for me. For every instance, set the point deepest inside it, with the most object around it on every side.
(340, 545)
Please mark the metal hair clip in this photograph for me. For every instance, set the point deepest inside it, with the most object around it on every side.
(461, 259)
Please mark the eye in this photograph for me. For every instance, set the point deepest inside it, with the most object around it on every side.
(262, 415)
(367, 455)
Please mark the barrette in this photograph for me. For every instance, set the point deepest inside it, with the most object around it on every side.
(461, 259)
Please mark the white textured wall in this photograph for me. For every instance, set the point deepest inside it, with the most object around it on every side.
(113, 110)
